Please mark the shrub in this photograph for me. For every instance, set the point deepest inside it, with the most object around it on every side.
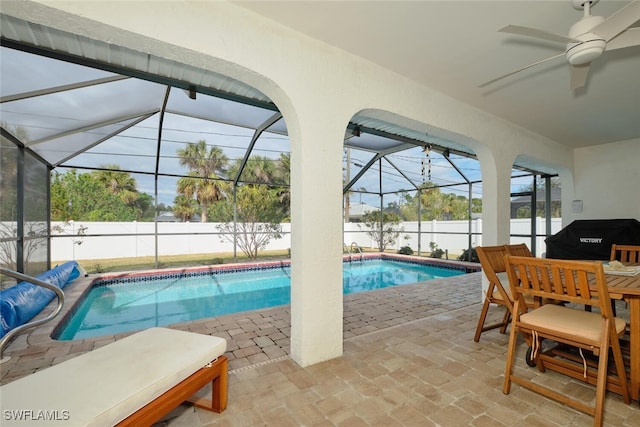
(383, 228)
(405, 250)
(437, 253)
(465, 255)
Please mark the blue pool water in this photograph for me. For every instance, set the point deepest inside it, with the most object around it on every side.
(114, 307)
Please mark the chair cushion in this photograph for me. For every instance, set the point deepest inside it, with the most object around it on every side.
(569, 321)
(104, 386)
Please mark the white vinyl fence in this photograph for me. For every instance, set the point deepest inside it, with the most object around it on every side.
(104, 240)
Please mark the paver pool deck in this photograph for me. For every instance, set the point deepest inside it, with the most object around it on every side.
(409, 360)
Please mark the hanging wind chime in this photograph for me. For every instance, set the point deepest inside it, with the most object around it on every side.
(426, 164)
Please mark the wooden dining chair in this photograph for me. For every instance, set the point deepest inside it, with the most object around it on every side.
(570, 327)
(492, 263)
(498, 292)
(625, 253)
(519, 249)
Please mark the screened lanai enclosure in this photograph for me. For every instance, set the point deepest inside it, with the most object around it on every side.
(186, 142)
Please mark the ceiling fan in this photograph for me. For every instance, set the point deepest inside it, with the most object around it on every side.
(587, 40)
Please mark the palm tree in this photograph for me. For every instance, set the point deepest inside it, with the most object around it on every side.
(283, 169)
(184, 208)
(257, 170)
(283, 175)
(118, 183)
(274, 173)
(206, 166)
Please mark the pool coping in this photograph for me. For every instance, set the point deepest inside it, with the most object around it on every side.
(468, 267)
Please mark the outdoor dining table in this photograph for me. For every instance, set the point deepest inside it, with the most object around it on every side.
(627, 288)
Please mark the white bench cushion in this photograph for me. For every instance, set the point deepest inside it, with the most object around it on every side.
(104, 386)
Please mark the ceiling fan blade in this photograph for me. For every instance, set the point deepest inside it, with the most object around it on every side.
(618, 22)
(628, 38)
(522, 69)
(534, 32)
(579, 74)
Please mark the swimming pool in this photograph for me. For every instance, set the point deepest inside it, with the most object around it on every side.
(134, 302)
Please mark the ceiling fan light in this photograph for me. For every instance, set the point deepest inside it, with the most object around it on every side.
(583, 53)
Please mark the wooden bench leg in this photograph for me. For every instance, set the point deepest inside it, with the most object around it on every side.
(218, 401)
(216, 372)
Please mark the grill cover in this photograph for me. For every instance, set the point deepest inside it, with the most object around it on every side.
(592, 239)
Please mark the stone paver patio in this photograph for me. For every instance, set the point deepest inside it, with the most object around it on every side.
(409, 360)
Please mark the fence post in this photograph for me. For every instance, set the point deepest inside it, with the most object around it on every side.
(434, 231)
(478, 229)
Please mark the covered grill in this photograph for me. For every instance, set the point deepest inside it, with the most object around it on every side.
(592, 239)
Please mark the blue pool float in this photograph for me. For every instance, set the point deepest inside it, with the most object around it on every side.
(22, 302)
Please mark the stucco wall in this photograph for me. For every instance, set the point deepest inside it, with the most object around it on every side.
(606, 180)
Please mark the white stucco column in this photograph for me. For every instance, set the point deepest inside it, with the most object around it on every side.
(496, 195)
(317, 235)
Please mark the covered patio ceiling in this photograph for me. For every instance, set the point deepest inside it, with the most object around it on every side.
(79, 103)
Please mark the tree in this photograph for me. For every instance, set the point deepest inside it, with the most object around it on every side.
(382, 227)
(149, 209)
(257, 219)
(262, 203)
(221, 211)
(282, 177)
(283, 169)
(556, 205)
(274, 173)
(184, 208)
(83, 197)
(436, 205)
(259, 170)
(118, 183)
(206, 166)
